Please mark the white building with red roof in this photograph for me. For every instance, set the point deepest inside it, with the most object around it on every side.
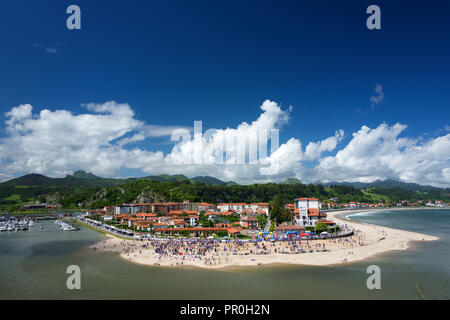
(307, 211)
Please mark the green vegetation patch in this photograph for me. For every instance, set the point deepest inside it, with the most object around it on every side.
(14, 197)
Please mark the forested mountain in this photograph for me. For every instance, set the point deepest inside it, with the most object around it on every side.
(31, 187)
(388, 184)
(87, 190)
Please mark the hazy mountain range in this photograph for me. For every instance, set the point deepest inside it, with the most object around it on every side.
(83, 178)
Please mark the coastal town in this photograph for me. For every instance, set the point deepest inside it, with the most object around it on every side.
(305, 230)
(207, 235)
(308, 217)
(230, 220)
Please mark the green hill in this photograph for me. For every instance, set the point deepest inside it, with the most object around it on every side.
(291, 181)
(92, 191)
(209, 180)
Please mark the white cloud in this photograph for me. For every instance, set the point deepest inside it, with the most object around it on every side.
(315, 149)
(17, 115)
(219, 154)
(380, 153)
(51, 50)
(203, 150)
(58, 142)
(5, 177)
(378, 97)
(103, 141)
(285, 160)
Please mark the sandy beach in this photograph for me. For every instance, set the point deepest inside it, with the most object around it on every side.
(368, 240)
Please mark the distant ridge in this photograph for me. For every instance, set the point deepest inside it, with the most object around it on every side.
(83, 178)
(165, 178)
(84, 175)
(209, 180)
(86, 189)
(388, 183)
(79, 178)
(291, 181)
(88, 179)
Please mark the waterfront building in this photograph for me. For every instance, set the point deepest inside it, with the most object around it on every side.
(123, 208)
(188, 206)
(141, 207)
(250, 222)
(307, 212)
(283, 229)
(262, 206)
(206, 207)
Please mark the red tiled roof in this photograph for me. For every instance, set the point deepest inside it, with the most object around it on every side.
(313, 212)
(325, 221)
(143, 214)
(284, 227)
(191, 229)
(233, 230)
(248, 218)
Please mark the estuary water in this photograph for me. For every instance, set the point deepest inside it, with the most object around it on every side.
(33, 266)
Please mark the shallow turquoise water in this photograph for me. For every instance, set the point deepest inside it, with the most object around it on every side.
(33, 266)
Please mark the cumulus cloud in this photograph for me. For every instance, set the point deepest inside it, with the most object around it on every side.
(381, 153)
(378, 97)
(58, 142)
(108, 138)
(315, 149)
(285, 160)
(242, 153)
(231, 145)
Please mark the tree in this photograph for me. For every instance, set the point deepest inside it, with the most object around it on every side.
(184, 233)
(42, 199)
(272, 227)
(261, 220)
(321, 227)
(278, 212)
(222, 233)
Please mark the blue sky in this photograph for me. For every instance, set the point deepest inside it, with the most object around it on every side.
(174, 62)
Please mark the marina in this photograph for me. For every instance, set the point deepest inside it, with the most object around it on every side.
(16, 224)
(64, 226)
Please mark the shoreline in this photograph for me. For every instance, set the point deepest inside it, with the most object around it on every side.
(369, 240)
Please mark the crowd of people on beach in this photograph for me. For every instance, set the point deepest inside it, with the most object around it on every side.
(176, 252)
